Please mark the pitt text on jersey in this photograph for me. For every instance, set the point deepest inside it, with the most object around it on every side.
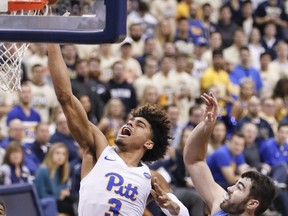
(116, 184)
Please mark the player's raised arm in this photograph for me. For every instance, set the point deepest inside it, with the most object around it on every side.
(88, 136)
(195, 155)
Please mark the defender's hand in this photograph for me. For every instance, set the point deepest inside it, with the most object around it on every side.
(211, 111)
(163, 200)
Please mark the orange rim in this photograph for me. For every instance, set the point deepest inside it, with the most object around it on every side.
(17, 5)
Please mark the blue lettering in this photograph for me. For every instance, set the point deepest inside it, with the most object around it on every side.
(113, 181)
(131, 191)
(116, 184)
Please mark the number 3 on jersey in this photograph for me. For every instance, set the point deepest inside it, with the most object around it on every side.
(115, 206)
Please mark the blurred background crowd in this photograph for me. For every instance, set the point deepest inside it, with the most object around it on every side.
(173, 52)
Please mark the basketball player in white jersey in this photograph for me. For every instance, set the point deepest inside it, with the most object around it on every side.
(115, 182)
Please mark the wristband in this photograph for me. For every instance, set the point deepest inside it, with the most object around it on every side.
(183, 210)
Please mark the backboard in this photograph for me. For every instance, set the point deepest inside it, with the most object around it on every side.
(89, 22)
(21, 199)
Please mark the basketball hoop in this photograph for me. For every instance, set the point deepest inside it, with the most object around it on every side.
(11, 54)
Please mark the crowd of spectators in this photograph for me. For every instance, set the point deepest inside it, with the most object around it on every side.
(174, 51)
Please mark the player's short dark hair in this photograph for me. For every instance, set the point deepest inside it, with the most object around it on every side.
(160, 126)
(262, 189)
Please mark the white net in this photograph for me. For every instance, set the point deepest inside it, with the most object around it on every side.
(11, 56)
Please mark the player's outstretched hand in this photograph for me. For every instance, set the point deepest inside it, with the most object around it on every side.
(163, 200)
(211, 111)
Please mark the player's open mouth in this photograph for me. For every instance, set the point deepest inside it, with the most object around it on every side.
(126, 131)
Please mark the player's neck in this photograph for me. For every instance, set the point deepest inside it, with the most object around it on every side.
(131, 159)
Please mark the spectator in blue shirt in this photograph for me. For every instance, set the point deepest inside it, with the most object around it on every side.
(227, 163)
(275, 153)
(244, 70)
(25, 113)
(196, 26)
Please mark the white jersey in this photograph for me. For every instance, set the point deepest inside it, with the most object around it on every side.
(114, 189)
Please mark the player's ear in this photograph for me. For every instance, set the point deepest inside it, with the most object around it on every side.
(149, 144)
(252, 204)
